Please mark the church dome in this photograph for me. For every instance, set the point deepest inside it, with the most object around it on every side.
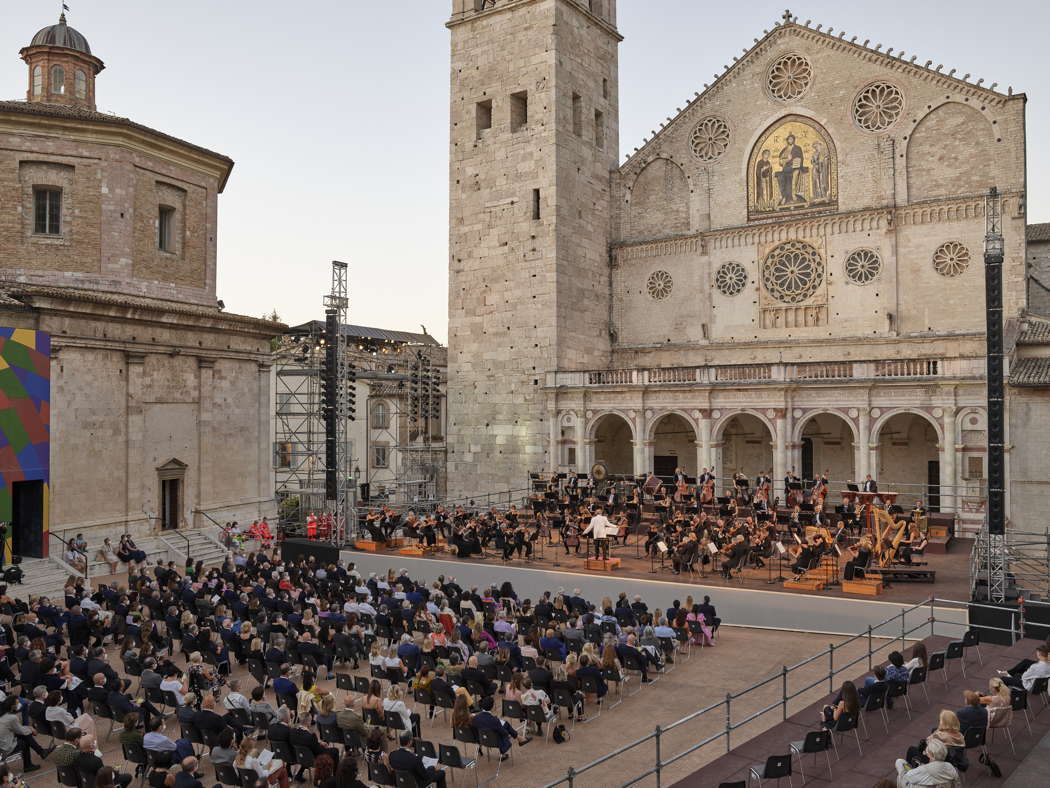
(61, 35)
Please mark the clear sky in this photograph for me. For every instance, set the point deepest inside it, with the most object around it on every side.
(337, 115)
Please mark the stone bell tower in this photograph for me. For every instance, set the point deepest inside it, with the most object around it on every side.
(534, 138)
(62, 69)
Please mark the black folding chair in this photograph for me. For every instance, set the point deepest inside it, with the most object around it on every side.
(972, 639)
(1039, 689)
(304, 757)
(285, 752)
(815, 742)
(257, 670)
(976, 738)
(135, 753)
(379, 774)
(467, 735)
(424, 749)
(843, 725)
(404, 779)
(589, 686)
(344, 681)
(612, 676)
(562, 699)
(775, 767)
(226, 774)
(953, 651)
(449, 755)
(936, 663)
(352, 742)
(898, 689)
(193, 733)
(361, 684)
(918, 677)
(330, 733)
(103, 711)
(444, 700)
(876, 701)
(633, 663)
(536, 715)
(69, 776)
(488, 739)
(372, 717)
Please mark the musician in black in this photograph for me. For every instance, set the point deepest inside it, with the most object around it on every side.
(736, 556)
(685, 554)
(805, 557)
(870, 485)
(861, 559)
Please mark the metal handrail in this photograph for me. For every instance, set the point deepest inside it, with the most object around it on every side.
(902, 635)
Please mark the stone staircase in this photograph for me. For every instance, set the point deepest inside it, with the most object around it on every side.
(47, 576)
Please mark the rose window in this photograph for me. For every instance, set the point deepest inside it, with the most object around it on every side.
(730, 278)
(951, 258)
(792, 272)
(862, 266)
(878, 106)
(709, 139)
(660, 284)
(789, 77)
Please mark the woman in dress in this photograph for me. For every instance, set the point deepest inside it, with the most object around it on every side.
(247, 758)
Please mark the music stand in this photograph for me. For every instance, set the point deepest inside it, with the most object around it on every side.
(780, 564)
(852, 487)
(713, 551)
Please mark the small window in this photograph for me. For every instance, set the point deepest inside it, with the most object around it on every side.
(284, 455)
(80, 84)
(519, 110)
(599, 129)
(58, 80)
(380, 417)
(483, 116)
(166, 228)
(380, 455)
(975, 467)
(605, 88)
(577, 114)
(38, 80)
(47, 211)
(535, 204)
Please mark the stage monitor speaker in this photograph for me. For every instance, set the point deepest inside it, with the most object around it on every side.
(323, 552)
(1037, 620)
(1002, 617)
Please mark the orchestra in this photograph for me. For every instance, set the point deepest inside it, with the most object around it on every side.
(694, 527)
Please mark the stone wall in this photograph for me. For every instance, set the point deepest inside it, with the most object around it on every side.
(111, 194)
(528, 271)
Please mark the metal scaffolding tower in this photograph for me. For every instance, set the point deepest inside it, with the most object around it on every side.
(337, 459)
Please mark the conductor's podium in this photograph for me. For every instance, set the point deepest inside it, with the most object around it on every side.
(601, 564)
(864, 587)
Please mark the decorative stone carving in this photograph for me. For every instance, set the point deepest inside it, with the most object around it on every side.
(730, 278)
(792, 272)
(878, 106)
(789, 77)
(709, 139)
(659, 285)
(863, 266)
(951, 258)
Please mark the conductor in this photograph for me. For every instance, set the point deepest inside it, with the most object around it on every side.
(600, 529)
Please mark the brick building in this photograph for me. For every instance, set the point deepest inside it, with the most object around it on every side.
(787, 275)
(159, 400)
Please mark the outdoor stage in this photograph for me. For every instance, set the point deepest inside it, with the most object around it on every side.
(747, 600)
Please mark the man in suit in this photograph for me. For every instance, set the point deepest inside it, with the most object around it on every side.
(186, 777)
(641, 656)
(586, 670)
(282, 685)
(280, 729)
(211, 724)
(710, 615)
(350, 720)
(973, 714)
(150, 678)
(869, 485)
(685, 554)
(486, 720)
(541, 676)
(301, 736)
(404, 760)
(473, 673)
(409, 653)
(737, 554)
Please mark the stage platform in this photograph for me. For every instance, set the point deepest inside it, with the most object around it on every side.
(883, 748)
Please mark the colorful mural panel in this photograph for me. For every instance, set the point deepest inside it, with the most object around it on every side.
(793, 169)
(25, 416)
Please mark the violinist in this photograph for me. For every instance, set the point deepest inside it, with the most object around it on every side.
(736, 553)
(652, 536)
(795, 521)
(685, 554)
(915, 542)
(804, 558)
(861, 559)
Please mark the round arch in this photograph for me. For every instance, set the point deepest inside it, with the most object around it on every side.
(719, 426)
(827, 442)
(746, 438)
(909, 453)
(674, 440)
(612, 435)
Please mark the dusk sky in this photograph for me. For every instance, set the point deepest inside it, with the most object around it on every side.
(336, 114)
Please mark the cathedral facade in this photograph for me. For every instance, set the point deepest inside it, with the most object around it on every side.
(788, 275)
(131, 401)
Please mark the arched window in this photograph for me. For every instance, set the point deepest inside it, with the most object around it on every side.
(80, 84)
(38, 80)
(58, 80)
(380, 417)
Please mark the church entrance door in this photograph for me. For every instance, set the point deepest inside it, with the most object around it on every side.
(664, 465)
(27, 530)
(169, 503)
(933, 485)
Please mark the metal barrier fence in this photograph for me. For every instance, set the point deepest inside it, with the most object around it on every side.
(894, 632)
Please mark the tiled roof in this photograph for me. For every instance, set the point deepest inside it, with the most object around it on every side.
(1034, 331)
(368, 332)
(1037, 232)
(90, 116)
(1031, 372)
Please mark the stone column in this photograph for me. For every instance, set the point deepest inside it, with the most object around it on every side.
(586, 459)
(638, 456)
(704, 456)
(135, 455)
(581, 444)
(203, 486)
(553, 442)
(863, 439)
(648, 453)
(948, 451)
(265, 473)
(790, 447)
(780, 456)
